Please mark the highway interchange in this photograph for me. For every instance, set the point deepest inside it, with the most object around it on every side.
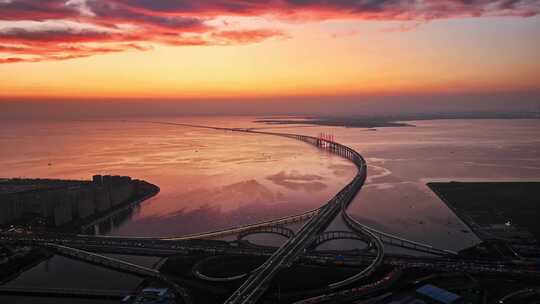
(316, 222)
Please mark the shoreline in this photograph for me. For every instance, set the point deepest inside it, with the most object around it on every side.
(69, 206)
(375, 121)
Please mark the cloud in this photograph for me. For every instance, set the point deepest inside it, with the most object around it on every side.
(11, 60)
(36, 25)
(36, 10)
(36, 41)
(45, 51)
(246, 36)
(367, 9)
(28, 36)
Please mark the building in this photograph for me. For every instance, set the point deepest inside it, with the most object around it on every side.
(433, 294)
(154, 296)
(58, 202)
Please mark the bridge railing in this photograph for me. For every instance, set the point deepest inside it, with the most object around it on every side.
(240, 228)
(397, 241)
(104, 260)
(335, 235)
(342, 199)
(283, 231)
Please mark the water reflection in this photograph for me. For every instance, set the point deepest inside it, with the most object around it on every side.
(209, 179)
(110, 223)
(402, 160)
(212, 179)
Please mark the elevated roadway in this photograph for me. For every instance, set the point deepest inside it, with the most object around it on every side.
(336, 148)
(105, 261)
(316, 222)
(257, 283)
(279, 230)
(120, 266)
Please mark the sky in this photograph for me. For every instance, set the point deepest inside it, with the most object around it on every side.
(177, 50)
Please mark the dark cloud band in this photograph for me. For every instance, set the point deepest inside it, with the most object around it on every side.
(121, 23)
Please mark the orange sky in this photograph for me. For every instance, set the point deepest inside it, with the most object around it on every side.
(275, 56)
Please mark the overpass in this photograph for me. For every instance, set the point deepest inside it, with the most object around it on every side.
(353, 224)
(394, 240)
(119, 265)
(105, 261)
(341, 235)
(400, 262)
(317, 221)
(279, 230)
(257, 283)
(232, 248)
(134, 247)
(436, 263)
(335, 148)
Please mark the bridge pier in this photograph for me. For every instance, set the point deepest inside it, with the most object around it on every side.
(320, 218)
(340, 235)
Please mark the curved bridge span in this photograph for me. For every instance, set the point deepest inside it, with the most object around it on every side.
(119, 265)
(257, 283)
(245, 228)
(279, 230)
(316, 223)
(351, 222)
(340, 235)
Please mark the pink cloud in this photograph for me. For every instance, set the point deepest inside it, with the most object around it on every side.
(117, 24)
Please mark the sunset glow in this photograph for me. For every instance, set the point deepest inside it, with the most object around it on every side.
(183, 49)
(269, 151)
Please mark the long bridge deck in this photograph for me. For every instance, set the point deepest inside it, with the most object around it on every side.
(223, 248)
(316, 222)
(104, 260)
(257, 283)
